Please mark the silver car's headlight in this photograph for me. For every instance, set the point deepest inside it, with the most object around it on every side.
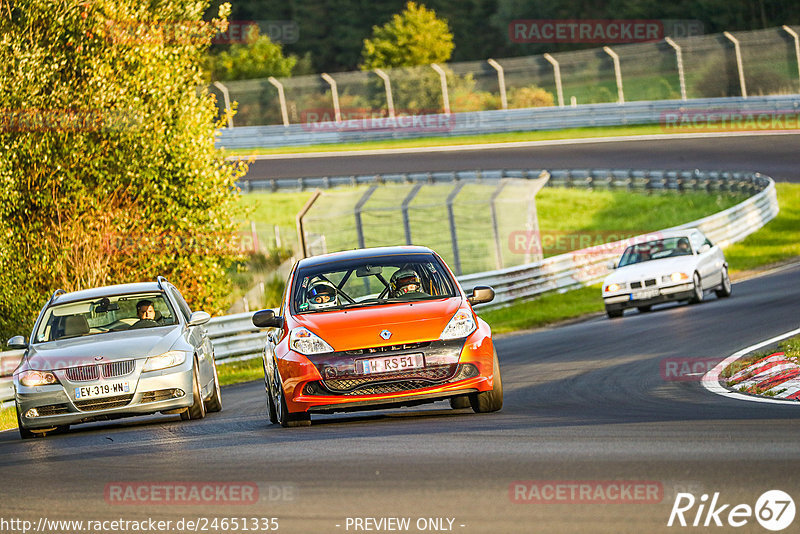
(306, 342)
(461, 325)
(611, 288)
(162, 361)
(37, 378)
(674, 277)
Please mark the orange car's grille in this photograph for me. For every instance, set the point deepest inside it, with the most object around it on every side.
(103, 403)
(394, 382)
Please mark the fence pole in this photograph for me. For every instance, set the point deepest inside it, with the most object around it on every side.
(498, 251)
(357, 212)
(739, 65)
(443, 78)
(281, 98)
(301, 235)
(617, 73)
(679, 59)
(501, 81)
(793, 33)
(227, 99)
(387, 83)
(452, 220)
(406, 201)
(337, 112)
(557, 75)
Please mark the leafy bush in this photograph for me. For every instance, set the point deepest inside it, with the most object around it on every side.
(108, 171)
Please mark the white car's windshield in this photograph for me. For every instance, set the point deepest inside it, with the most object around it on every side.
(656, 250)
(107, 314)
(371, 281)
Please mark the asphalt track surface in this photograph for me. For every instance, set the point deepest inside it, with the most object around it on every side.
(774, 155)
(583, 402)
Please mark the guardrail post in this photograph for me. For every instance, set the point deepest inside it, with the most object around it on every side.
(679, 59)
(557, 75)
(337, 112)
(227, 99)
(301, 235)
(452, 221)
(406, 201)
(739, 65)
(357, 212)
(443, 78)
(387, 84)
(498, 251)
(281, 99)
(501, 81)
(793, 33)
(617, 73)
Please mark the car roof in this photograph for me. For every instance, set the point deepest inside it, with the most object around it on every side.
(362, 253)
(664, 234)
(108, 291)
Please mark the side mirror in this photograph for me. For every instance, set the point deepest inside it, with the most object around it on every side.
(612, 264)
(267, 319)
(705, 248)
(481, 294)
(198, 318)
(17, 342)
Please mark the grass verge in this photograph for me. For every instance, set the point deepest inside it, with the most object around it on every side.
(511, 137)
(790, 347)
(8, 418)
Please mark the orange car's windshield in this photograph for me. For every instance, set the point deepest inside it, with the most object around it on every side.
(371, 282)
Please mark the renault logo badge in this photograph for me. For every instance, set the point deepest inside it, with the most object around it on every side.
(385, 334)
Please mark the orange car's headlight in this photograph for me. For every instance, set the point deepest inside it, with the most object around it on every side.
(461, 325)
(306, 342)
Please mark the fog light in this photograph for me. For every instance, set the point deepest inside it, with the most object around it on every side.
(177, 393)
(30, 414)
(310, 389)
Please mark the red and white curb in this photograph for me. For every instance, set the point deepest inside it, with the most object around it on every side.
(774, 370)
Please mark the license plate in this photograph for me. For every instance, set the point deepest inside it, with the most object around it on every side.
(644, 295)
(101, 390)
(386, 364)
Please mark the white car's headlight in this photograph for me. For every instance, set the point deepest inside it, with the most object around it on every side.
(306, 342)
(674, 277)
(162, 361)
(37, 378)
(461, 325)
(610, 288)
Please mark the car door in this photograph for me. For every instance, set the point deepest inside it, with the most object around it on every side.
(708, 264)
(198, 338)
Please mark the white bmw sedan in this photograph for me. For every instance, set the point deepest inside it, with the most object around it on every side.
(678, 265)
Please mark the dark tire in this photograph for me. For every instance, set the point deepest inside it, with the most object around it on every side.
(698, 290)
(283, 417)
(725, 287)
(23, 433)
(644, 309)
(198, 409)
(489, 401)
(214, 403)
(614, 314)
(460, 402)
(271, 410)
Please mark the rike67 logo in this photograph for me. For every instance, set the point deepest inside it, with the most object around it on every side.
(774, 510)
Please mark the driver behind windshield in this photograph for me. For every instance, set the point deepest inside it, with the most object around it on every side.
(682, 249)
(406, 283)
(321, 295)
(146, 313)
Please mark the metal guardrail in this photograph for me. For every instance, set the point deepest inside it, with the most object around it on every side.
(235, 338)
(513, 120)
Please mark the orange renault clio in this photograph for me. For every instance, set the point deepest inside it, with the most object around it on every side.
(377, 328)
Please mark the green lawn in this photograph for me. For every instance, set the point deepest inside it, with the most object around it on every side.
(241, 371)
(8, 418)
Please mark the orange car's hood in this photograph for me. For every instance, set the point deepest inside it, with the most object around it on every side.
(409, 322)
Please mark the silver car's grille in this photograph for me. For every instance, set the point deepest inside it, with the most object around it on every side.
(638, 285)
(86, 373)
(103, 403)
(113, 369)
(83, 373)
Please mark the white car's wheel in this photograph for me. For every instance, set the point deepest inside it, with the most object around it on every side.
(725, 287)
(698, 290)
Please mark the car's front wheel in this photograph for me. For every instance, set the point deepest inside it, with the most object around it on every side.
(614, 314)
(725, 287)
(460, 402)
(282, 414)
(489, 401)
(214, 403)
(198, 409)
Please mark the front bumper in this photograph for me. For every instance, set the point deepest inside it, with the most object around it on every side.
(152, 392)
(674, 293)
